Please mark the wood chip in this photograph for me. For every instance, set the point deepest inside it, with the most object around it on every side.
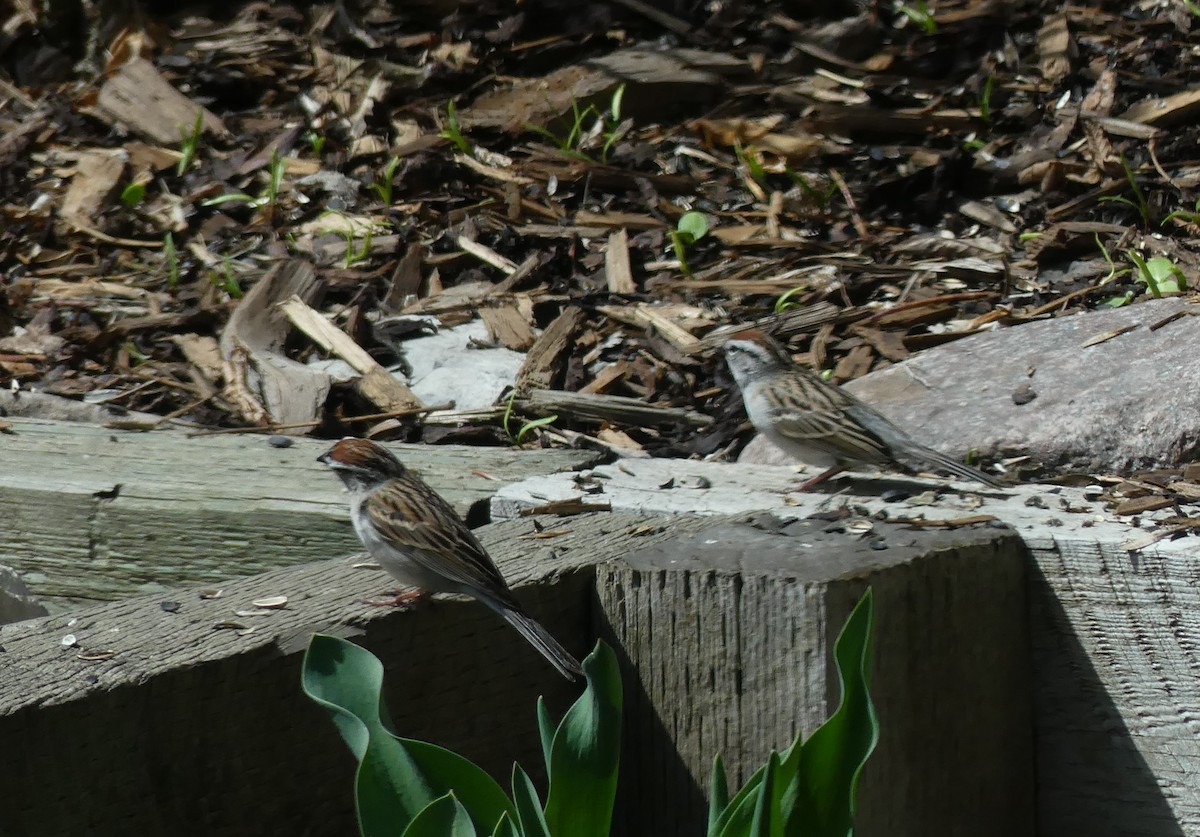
(487, 255)
(376, 385)
(614, 409)
(260, 379)
(616, 264)
(1109, 335)
(565, 508)
(93, 186)
(1143, 504)
(543, 363)
(508, 326)
(139, 98)
(1055, 48)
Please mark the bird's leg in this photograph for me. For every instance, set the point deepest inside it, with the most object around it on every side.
(821, 477)
(400, 598)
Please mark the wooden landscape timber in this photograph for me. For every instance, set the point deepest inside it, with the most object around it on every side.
(1111, 611)
(1034, 654)
(100, 514)
(184, 715)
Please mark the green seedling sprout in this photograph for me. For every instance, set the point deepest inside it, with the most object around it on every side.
(226, 281)
(452, 132)
(822, 198)
(754, 166)
(354, 254)
(171, 257)
(1141, 204)
(190, 143)
(690, 228)
(919, 14)
(1160, 275)
(985, 100)
(383, 187)
(1113, 273)
(133, 194)
(784, 302)
(612, 122)
(316, 142)
(532, 424)
(1183, 215)
(268, 197)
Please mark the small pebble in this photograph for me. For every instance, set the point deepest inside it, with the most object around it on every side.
(169, 607)
(878, 544)
(997, 524)
(280, 441)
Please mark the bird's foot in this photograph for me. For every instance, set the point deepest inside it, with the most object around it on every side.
(820, 478)
(400, 598)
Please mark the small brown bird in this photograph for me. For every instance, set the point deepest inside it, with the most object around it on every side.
(421, 541)
(819, 423)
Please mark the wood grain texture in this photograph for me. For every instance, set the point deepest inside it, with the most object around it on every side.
(727, 638)
(1115, 635)
(544, 361)
(1117, 687)
(193, 510)
(194, 730)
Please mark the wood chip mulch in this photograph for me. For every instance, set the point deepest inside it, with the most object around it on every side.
(196, 202)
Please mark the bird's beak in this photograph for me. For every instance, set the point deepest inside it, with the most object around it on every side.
(324, 458)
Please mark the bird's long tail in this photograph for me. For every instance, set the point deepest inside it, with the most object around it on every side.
(932, 457)
(540, 639)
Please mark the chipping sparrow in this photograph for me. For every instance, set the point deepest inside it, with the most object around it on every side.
(818, 422)
(418, 537)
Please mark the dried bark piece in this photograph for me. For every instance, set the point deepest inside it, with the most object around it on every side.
(406, 280)
(1055, 48)
(543, 364)
(654, 78)
(261, 381)
(616, 264)
(95, 182)
(509, 327)
(614, 409)
(376, 384)
(146, 103)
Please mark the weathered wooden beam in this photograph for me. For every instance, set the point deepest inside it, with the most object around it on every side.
(727, 635)
(195, 728)
(97, 514)
(1116, 650)
(1115, 632)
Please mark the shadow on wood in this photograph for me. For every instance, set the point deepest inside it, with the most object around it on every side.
(1093, 773)
(727, 636)
(196, 725)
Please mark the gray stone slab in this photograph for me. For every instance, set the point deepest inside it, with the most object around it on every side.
(1132, 401)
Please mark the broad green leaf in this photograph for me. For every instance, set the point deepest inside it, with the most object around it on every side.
(832, 759)
(739, 815)
(389, 788)
(545, 730)
(718, 795)
(585, 753)
(692, 227)
(505, 828)
(397, 778)
(445, 770)
(444, 817)
(529, 807)
(760, 826)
